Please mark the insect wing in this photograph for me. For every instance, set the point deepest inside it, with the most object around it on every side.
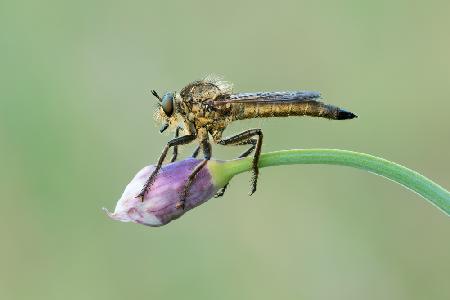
(270, 97)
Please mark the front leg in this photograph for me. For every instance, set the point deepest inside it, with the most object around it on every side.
(175, 148)
(206, 148)
(242, 137)
(186, 139)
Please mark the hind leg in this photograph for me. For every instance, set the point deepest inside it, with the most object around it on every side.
(243, 137)
(252, 142)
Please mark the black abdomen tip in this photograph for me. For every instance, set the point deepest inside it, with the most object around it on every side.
(344, 115)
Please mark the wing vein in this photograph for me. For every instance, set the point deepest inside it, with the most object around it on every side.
(270, 97)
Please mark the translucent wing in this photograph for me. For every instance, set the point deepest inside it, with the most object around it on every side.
(270, 97)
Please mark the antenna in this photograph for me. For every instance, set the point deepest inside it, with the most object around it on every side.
(154, 93)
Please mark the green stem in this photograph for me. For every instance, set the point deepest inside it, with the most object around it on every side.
(410, 179)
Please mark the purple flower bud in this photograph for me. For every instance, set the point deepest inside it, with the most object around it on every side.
(159, 205)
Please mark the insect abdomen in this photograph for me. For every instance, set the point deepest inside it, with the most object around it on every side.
(243, 111)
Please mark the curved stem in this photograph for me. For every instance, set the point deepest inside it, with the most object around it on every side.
(410, 179)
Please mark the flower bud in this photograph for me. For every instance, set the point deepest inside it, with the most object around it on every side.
(160, 202)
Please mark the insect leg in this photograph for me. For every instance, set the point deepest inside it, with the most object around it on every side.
(186, 139)
(206, 147)
(253, 142)
(175, 148)
(196, 151)
(235, 140)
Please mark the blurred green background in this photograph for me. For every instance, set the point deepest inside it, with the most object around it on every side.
(76, 125)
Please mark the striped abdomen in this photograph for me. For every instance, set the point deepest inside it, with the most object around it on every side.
(241, 111)
(280, 104)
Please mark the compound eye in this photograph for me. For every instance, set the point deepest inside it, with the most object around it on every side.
(167, 104)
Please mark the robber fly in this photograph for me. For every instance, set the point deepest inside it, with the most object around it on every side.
(204, 108)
